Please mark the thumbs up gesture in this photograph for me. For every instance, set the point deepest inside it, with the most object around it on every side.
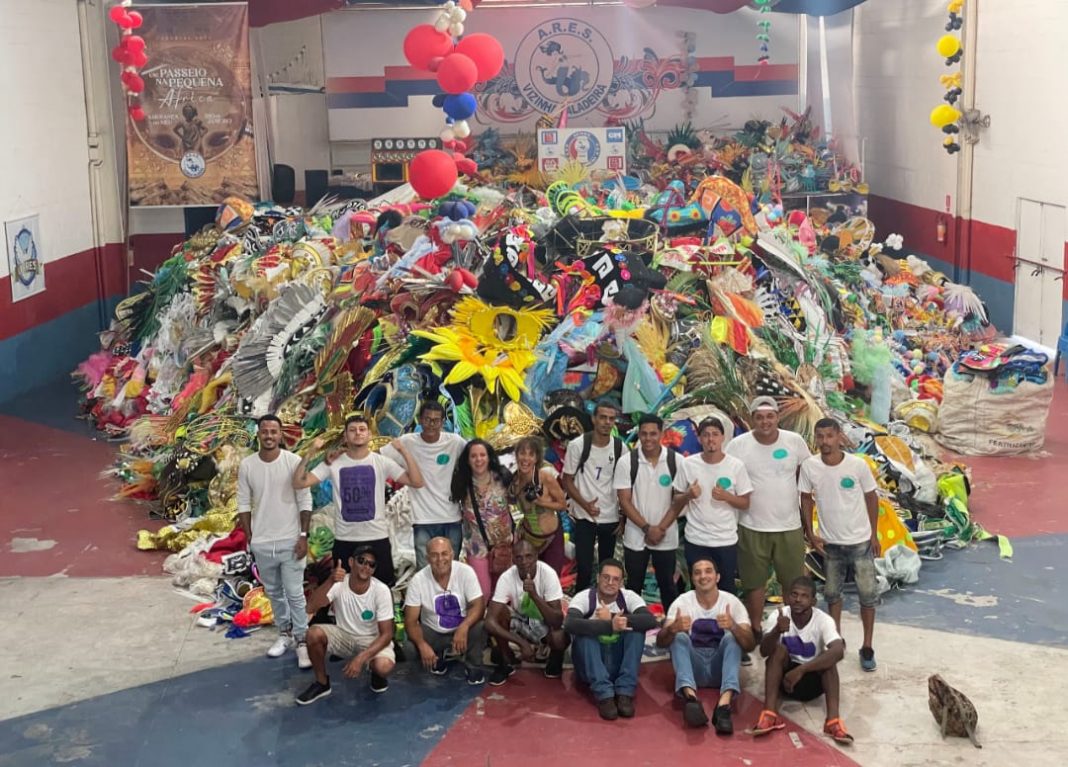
(683, 622)
(339, 573)
(695, 490)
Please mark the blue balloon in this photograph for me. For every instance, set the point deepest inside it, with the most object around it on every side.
(439, 100)
(461, 106)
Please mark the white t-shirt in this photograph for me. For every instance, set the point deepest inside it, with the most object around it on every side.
(595, 479)
(773, 507)
(360, 495)
(359, 614)
(651, 495)
(705, 631)
(839, 495)
(805, 644)
(581, 602)
(710, 522)
(443, 610)
(266, 490)
(510, 591)
(430, 503)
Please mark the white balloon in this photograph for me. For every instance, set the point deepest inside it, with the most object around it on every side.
(456, 29)
(459, 14)
(449, 5)
(461, 129)
(449, 134)
(442, 23)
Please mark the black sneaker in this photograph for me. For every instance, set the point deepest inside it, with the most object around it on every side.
(721, 720)
(747, 660)
(379, 684)
(625, 706)
(313, 693)
(440, 667)
(693, 713)
(476, 676)
(500, 675)
(554, 667)
(607, 709)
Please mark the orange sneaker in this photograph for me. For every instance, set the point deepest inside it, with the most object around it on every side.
(768, 722)
(835, 729)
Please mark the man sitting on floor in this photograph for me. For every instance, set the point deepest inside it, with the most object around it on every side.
(443, 612)
(707, 630)
(607, 625)
(526, 611)
(803, 648)
(363, 607)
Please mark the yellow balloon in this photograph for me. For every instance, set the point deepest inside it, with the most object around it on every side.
(943, 114)
(948, 45)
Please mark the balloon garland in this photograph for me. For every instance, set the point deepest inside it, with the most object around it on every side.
(947, 116)
(131, 56)
(458, 66)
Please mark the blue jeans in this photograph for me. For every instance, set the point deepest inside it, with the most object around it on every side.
(706, 666)
(609, 669)
(423, 533)
(282, 576)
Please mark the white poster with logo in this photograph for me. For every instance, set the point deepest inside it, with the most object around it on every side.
(602, 149)
(25, 258)
(602, 65)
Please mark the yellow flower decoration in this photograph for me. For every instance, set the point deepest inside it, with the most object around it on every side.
(473, 358)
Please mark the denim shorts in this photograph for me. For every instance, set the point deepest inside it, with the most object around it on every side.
(836, 563)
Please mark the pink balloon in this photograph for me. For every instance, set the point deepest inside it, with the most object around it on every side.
(457, 73)
(432, 173)
(423, 43)
(485, 51)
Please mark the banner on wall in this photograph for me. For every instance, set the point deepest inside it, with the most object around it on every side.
(602, 65)
(25, 259)
(602, 149)
(195, 145)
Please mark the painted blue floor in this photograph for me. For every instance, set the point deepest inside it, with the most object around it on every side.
(177, 721)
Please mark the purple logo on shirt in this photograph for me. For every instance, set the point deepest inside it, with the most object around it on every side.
(796, 646)
(705, 632)
(447, 607)
(356, 486)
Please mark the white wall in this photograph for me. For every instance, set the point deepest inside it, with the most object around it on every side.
(44, 162)
(896, 83)
(1022, 63)
(299, 132)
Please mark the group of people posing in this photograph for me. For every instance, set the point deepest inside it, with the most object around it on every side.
(747, 509)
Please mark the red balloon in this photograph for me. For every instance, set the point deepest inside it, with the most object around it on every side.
(457, 73)
(136, 19)
(137, 113)
(125, 22)
(134, 43)
(432, 173)
(120, 54)
(138, 59)
(134, 83)
(485, 51)
(424, 43)
(466, 165)
(117, 14)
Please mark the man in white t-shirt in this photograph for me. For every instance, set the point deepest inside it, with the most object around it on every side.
(803, 647)
(363, 607)
(526, 611)
(274, 518)
(718, 488)
(769, 531)
(359, 478)
(643, 483)
(843, 488)
(433, 514)
(607, 624)
(589, 469)
(443, 612)
(707, 630)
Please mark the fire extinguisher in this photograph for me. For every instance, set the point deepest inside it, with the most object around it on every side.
(940, 229)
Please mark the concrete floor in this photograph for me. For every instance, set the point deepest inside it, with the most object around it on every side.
(101, 664)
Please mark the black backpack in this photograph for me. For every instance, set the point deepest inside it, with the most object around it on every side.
(671, 458)
(587, 446)
(621, 602)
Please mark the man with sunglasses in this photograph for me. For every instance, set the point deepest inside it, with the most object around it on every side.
(363, 607)
(443, 611)
(435, 451)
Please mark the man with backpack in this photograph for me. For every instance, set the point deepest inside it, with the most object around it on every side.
(643, 481)
(607, 624)
(589, 467)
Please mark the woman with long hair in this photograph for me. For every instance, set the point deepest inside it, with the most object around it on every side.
(480, 486)
(536, 491)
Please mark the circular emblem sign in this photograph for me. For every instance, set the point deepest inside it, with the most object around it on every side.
(564, 60)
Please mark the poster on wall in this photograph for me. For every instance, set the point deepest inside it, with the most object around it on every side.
(603, 149)
(25, 259)
(195, 145)
(599, 66)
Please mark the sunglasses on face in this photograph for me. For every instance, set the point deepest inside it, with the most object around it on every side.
(365, 562)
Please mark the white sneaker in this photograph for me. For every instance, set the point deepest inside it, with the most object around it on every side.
(283, 643)
(303, 661)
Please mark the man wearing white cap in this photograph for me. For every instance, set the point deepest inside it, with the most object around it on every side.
(769, 531)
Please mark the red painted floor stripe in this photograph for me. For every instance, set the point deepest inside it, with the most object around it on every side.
(534, 721)
(53, 493)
